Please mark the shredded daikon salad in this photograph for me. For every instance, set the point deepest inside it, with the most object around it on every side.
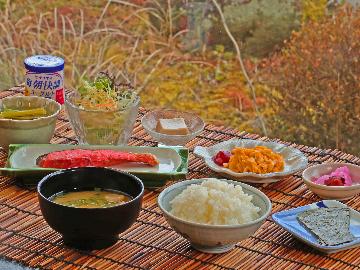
(105, 95)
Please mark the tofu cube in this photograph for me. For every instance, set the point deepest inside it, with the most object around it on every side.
(173, 126)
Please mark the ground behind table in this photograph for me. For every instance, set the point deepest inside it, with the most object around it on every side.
(150, 243)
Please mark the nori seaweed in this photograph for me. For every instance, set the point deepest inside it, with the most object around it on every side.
(330, 225)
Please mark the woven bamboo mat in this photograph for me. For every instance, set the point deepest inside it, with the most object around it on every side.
(150, 243)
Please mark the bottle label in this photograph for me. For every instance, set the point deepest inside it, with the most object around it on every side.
(48, 85)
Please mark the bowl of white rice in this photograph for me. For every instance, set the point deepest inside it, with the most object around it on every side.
(214, 214)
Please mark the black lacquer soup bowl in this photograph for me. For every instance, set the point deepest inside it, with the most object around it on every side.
(90, 228)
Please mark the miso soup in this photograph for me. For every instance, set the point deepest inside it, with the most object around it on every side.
(98, 198)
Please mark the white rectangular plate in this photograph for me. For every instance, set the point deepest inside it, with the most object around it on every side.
(169, 160)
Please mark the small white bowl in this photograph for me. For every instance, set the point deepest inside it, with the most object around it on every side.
(39, 130)
(213, 238)
(332, 192)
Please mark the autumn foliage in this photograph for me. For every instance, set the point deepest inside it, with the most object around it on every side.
(309, 92)
(316, 100)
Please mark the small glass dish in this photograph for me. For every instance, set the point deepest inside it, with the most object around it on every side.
(101, 127)
(193, 122)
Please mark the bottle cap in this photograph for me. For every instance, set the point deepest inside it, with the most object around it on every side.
(44, 63)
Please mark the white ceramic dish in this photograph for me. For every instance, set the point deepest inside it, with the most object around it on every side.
(213, 238)
(169, 160)
(288, 221)
(332, 192)
(39, 130)
(294, 159)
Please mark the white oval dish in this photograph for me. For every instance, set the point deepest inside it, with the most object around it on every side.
(294, 160)
(332, 192)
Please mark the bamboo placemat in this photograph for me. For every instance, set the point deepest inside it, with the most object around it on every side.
(150, 243)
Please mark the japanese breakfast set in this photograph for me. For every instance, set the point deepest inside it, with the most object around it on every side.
(93, 191)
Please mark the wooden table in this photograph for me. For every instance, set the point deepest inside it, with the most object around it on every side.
(150, 243)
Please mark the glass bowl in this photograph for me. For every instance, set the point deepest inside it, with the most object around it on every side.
(193, 122)
(101, 127)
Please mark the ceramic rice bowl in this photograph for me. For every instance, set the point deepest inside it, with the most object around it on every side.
(213, 238)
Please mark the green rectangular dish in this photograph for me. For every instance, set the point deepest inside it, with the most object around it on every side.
(173, 162)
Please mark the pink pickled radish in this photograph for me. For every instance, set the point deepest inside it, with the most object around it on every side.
(339, 172)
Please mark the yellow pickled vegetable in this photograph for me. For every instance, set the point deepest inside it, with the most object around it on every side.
(23, 114)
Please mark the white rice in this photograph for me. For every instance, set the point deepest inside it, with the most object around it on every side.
(214, 202)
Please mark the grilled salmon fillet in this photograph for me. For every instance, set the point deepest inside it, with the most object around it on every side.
(92, 158)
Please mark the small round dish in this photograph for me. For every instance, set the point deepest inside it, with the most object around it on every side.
(90, 228)
(332, 192)
(39, 130)
(193, 122)
(213, 238)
